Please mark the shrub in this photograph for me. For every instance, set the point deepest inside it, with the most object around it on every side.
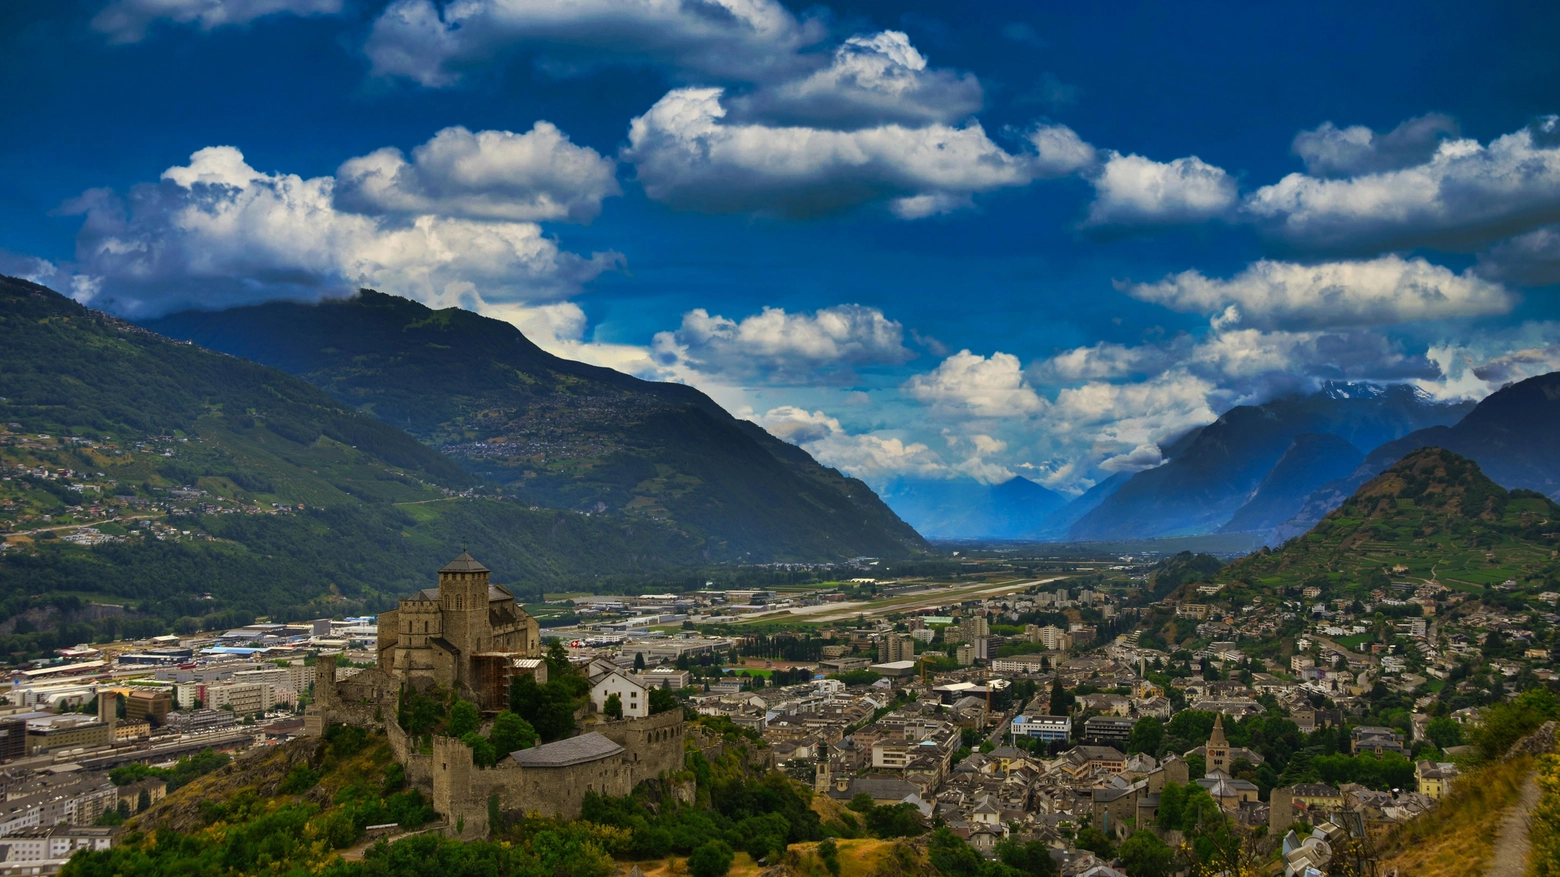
(713, 859)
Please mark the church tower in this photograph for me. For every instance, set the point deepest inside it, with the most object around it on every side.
(1218, 748)
(463, 601)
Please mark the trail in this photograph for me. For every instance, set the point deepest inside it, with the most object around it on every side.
(1511, 843)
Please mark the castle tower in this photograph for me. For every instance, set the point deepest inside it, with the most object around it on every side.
(1218, 748)
(463, 601)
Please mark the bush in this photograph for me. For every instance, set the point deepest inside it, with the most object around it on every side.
(829, 854)
(299, 779)
(713, 859)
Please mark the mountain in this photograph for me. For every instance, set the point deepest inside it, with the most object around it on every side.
(562, 433)
(222, 490)
(1056, 524)
(1206, 482)
(1431, 515)
(966, 509)
(1514, 436)
(1311, 461)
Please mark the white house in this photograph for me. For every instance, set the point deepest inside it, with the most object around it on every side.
(635, 697)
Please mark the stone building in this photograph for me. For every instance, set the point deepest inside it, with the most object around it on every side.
(464, 635)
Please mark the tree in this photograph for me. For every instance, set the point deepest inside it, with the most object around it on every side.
(1147, 736)
(1096, 842)
(464, 719)
(713, 859)
(143, 801)
(829, 854)
(662, 700)
(1145, 855)
(614, 706)
(639, 662)
(511, 733)
(1033, 858)
(1444, 732)
(557, 659)
(1060, 698)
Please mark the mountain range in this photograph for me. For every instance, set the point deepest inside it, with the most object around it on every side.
(558, 433)
(965, 509)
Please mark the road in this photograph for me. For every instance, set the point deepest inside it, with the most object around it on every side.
(1511, 844)
(114, 520)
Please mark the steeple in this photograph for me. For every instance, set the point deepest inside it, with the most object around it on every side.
(1217, 738)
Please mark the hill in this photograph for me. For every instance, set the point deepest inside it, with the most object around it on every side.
(1220, 467)
(1513, 434)
(1431, 517)
(151, 484)
(562, 433)
(966, 509)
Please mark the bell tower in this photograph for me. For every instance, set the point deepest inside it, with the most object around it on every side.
(463, 601)
(1218, 748)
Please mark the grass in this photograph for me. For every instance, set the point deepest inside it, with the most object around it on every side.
(1458, 837)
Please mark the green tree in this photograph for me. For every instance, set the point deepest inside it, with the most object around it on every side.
(1033, 858)
(662, 700)
(713, 859)
(557, 659)
(1060, 699)
(1444, 732)
(511, 733)
(829, 854)
(464, 719)
(1148, 734)
(639, 662)
(1097, 842)
(614, 706)
(143, 801)
(1145, 855)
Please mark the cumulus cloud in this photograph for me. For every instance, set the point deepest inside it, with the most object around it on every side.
(1131, 190)
(968, 383)
(1382, 291)
(436, 43)
(1102, 361)
(536, 176)
(1330, 151)
(126, 21)
(687, 156)
(217, 233)
(825, 345)
(1467, 195)
(1476, 365)
(871, 457)
(876, 79)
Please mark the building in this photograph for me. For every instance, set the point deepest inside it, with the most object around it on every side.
(1109, 730)
(463, 635)
(67, 731)
(1053, 638)
(148, 706)
(1217, 752)
(1435, 778)
(893, 648)
(633, 694)
(974, 627)
(665, 677)
(13, 739)
(1048, 728)
(44, 851)
(241, 698)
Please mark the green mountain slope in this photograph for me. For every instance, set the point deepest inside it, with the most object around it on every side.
(568, 435)
(219, 490)
(1433, 516)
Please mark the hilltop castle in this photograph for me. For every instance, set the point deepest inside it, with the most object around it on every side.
(469, 636)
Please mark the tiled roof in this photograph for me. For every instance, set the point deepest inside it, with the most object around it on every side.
(574, 750)
(464, 563)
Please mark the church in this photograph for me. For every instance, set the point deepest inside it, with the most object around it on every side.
(467, 634)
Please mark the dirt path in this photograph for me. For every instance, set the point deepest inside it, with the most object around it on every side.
(1511, 844)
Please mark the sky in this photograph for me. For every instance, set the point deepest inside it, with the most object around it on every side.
(920, 240)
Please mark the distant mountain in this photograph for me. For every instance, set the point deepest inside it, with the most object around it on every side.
(966, 509)
(566, 434)
(1514, 436)
(269, 497)
(1431, 515)
(1202, 487)
(1056, 524)
(1311, 461)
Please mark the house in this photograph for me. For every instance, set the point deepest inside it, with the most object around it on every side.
(633, 694)
(1435, 779)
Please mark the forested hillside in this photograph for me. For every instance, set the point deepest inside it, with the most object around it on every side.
(561, 433)
(151, 484)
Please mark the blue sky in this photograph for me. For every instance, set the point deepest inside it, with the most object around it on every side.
(921, 240)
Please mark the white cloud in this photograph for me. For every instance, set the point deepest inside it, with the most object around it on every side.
(686, 156)
(1476, 365)
(744, 39)
(870, 457)
(1103, 360)
(784, 348)
(1465, 196)
(1381, 291)
(126, 21)
(1330, 151)
(1133, 190)
(971, 384)
(875, 79)
(218, 233)
(536, 176)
